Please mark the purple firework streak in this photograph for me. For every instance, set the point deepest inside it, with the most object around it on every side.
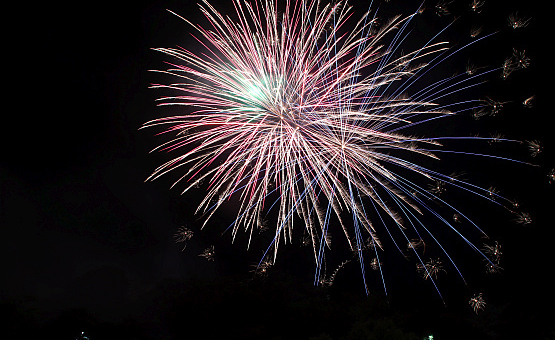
(291, 110)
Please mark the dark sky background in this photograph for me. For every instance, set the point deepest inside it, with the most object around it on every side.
(87, 246)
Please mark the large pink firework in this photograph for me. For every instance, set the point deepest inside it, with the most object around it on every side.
(294, 111)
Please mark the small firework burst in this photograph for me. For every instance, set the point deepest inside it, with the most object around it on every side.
(534, 147)
(507, 68)
(515, 21)
(476, 5)
(493, 268)
(477, 303)
(475, 31)
(523, 218)
(375, 264)
(517, 61)
(262, 269)
(471, 69)
(182, 235)
(493, 193)
(493, 251)
(442, 8)
(208, 253)
(520, 59)
(437, 187)
(495, 138)
(457, 176)
(489, 107)
(430, 269)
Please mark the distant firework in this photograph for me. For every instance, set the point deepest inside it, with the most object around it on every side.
(301, 112)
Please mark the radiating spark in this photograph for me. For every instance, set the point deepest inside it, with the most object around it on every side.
(471, 69)
(534, 147)
(493, 251)
(476, 5)
(430, 269)
(493, 193)
(262, 269)
(442, 7)
(517, 61)
(496, 138)
(489, 107)
(182, 235)
(515, 21)
(523, 218)
(520, 59)
(437, 188)
(492, 268)
(375, 264)
(477, 303)
(208, 253)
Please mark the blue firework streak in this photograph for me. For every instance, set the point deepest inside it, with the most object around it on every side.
(294, 113)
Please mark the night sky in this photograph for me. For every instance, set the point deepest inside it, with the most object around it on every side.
(88, 246)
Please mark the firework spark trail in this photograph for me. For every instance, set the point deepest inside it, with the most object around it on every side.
(286, 104)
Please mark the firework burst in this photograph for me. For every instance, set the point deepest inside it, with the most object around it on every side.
(477, 302)
(291, 112)
(183, 235)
